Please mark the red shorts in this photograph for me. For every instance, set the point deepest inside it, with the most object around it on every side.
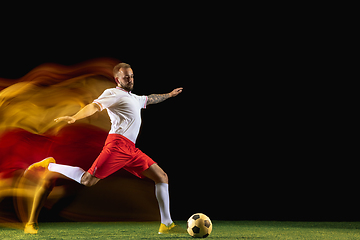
(119, 152)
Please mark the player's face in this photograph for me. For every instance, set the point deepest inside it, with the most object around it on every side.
(125, 79)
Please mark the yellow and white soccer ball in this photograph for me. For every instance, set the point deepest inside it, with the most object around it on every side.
(199, 225)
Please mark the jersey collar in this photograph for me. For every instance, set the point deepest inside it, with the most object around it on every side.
(122, 89)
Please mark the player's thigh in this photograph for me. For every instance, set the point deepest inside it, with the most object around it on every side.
(155, 173)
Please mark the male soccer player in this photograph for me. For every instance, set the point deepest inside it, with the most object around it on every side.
(119, 150)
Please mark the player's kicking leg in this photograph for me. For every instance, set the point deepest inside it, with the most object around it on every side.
(155, 173)
(75, 173)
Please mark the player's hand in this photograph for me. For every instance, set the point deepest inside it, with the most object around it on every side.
(175, 92)
(67, 119)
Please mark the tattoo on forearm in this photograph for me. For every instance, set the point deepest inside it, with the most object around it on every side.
(157, 98)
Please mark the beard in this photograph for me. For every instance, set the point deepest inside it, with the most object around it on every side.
(127, 87)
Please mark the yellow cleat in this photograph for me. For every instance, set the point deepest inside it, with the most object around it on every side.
(42, 164)
(30, 228)
(170, 229)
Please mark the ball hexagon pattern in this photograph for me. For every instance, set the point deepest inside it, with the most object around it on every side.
(199, 225)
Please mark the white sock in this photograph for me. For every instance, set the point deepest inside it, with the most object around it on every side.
(75, 173)
(162, 196)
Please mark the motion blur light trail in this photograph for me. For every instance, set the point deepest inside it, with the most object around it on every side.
(28, 134)
(50, 91)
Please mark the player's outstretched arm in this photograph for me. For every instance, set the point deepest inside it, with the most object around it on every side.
(86, 111)
(158, 98)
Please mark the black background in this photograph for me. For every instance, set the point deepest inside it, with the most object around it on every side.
(253, 135)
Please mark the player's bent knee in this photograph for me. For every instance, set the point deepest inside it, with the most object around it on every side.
(88, 183)
(164, 178)
(88, 180)
(156, 174)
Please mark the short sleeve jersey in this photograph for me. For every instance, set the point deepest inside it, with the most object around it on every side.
(124, 109)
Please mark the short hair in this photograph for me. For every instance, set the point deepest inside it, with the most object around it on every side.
(118, 66)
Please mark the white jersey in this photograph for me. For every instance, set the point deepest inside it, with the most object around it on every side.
(124, 111)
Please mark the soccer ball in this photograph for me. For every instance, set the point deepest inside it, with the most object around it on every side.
(199, 225)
